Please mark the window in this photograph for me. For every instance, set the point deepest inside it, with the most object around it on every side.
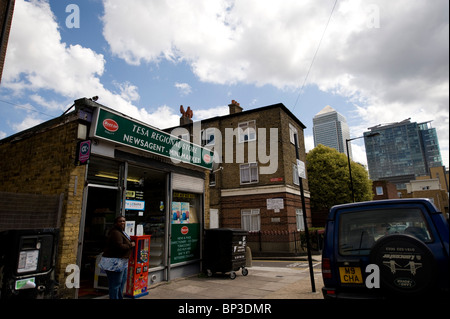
(379, 190)
(358, 231)
(295, 174)
(208, 136)
(247, 131)
(292, 131)
(250, 219)
(299, 219)
(212, 179)
(249, 173)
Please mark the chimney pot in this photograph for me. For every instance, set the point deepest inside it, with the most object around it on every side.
(234, 107)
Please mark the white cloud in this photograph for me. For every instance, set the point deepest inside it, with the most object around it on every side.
(37, 59)
(390, 58)
(183, 88)
(128, 91)
(359, 154)
(309, 143)
(211, 112)
(28, 121)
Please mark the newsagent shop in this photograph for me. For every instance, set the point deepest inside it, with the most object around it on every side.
(104, 164)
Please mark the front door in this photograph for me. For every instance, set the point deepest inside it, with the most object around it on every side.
(102, 207)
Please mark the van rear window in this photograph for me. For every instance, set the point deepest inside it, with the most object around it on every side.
(358, 231)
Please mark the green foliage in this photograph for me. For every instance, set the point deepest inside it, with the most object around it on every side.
(329, 178)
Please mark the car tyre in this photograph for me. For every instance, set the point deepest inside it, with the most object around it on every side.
(407, 266)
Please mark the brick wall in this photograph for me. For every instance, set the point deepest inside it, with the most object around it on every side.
(42, 161)
(6, 16)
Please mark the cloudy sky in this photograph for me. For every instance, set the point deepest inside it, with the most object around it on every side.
(377, 61)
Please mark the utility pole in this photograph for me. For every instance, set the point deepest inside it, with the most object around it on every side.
(302, 195)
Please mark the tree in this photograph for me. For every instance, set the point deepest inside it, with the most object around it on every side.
(329, 179)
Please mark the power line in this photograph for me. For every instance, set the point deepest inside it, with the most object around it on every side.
(28, 108)
(315, 54)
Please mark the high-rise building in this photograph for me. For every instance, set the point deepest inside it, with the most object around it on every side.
(403, 148)
(330, 129)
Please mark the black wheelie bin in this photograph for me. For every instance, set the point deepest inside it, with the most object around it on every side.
(225, 251)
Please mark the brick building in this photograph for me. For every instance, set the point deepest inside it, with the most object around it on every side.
(131, 171)
(254, 184)
(384, 190)
(6, 16)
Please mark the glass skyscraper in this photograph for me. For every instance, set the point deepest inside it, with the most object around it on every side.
(401, 149)
(330, 129)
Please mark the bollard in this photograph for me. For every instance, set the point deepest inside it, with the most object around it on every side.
(248, 257)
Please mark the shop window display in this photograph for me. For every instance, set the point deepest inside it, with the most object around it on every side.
(145, 209)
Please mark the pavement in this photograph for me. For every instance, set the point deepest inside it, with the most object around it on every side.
(291, 282)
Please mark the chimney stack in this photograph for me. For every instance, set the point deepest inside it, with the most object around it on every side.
(234, 107)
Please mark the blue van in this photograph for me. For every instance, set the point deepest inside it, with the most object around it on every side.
(386, 249)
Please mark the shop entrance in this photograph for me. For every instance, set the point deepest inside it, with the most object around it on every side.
(101, 209)
(138, 193)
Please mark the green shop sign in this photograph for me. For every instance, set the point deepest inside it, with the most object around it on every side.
(185, 243)
(129, 132)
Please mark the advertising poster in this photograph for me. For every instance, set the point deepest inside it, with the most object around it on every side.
(185, 243)
(176, 212)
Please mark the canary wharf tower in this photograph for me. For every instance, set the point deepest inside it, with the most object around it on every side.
(330, 129)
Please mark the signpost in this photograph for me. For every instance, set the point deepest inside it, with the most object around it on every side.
(302, 174)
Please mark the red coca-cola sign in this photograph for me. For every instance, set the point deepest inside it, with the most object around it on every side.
(110, 125)
(184, 230)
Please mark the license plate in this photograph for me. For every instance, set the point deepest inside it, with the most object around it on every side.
(350, 275)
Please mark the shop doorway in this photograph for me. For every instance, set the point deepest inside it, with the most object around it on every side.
(140, 194)
(103, 205)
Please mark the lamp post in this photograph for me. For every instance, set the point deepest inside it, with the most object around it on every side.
(302, 197)
(348, 158)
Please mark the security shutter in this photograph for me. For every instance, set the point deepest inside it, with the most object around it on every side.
(187, 183)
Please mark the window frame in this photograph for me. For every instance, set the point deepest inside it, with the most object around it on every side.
(244, 127)
(254, 218)
(249, 167)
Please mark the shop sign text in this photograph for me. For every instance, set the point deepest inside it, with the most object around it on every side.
(118, 129)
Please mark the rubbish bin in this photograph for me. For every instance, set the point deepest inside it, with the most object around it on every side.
(27, 263)
(224, 251)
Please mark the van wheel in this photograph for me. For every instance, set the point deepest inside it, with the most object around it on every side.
(407, 266)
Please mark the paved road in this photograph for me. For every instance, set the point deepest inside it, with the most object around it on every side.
(301, 264)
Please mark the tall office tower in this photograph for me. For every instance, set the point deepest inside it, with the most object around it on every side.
(401, 149)
(330, 129)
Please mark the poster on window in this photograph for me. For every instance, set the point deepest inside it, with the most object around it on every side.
(185, 244)
(176, 212)
(180, 213)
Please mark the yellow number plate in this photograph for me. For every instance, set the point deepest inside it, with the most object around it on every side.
(350, 275)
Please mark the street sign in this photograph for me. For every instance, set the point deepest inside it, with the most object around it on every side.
(84, 152)
(301, 169)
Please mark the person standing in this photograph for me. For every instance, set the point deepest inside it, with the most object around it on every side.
(115, 258)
